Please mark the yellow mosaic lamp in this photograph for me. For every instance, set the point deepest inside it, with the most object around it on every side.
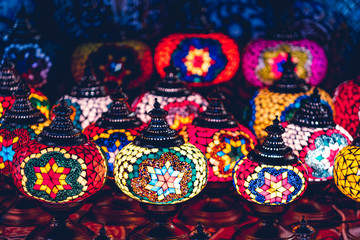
(161, 171)
(282, 99)
(347, 179)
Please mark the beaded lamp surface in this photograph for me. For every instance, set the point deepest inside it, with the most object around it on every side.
(281, 99)
(9, 83)
(315, 138)
(220, 137)
(88, 100)
(347, 105)
(158, 167)
(262, 61)
(271, 174)
(115, 129)
(181, 104)
(19, 125)
(60, 165)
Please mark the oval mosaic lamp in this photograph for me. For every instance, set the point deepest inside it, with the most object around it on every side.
(204, 59)
(60, 168)
(127, 63)
(88, 100)
(10, 79)
(315, 138)
(347, 105)
(262, 61)
(282, 99)
(21, 123)
(181, 104)
(269, 177)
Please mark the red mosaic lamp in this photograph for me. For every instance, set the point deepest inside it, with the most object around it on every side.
(205, 58)
(88, 100)
(224, 142)
(282, 99)
(270, 177)
(20, 124)
(111, 132)
(9, 79)
(262, 59)
(347, 105)
(161, 171)
(60, 168)
(174, 97)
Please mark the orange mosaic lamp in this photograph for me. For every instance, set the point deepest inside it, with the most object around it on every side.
(174, 97)
(346, 177)
(161, 171)
(60, 168)
(10, 79)
(270, 177)
(282, 99)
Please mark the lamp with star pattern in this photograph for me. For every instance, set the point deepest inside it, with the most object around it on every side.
(346, 178)
(224, 142)
(282, 99)
(316, 140)
(60, 168)
(161, 171)
(111, 132)
(20, 124)
(9, 80)
(181, 104)
(270, 177)
(88, 100)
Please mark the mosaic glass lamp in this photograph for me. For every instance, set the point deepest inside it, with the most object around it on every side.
(262, 59)
(346, 178)
(205, 58)
(9, 80)
(181, 104)
(88, 100)
(60, 168)
(23, 47)
(161, 171)
(270, 177)
(224, 142)
(282, 99)
(111, 132)
(347, 105)
(21, 123)
(316, 140)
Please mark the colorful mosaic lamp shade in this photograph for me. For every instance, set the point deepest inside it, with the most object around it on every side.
(10, 79)
(220, 137)
(128, 63)
(88, 100)
(181, 104)
(60, 168)
(161, 171)
(270, 177)
(115, 129)
(21, 123)
(347, 105)
(262, 60)
(282, 99)
(23, 48)
(315, 138)
(204, 59)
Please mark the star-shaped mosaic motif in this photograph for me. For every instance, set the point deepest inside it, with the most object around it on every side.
(276, 188)
(51, 178)
(7, 153)
(198, 61)
(164, 181)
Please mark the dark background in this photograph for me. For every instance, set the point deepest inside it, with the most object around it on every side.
(64, 24)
